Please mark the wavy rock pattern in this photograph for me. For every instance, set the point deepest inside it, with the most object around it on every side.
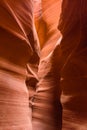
(46, 99)
(73, 27)
(70, 64)
(56, 74)
(17, 44)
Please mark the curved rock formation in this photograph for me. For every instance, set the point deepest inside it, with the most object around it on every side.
(18, 43)
(73, 27)
(45, 99)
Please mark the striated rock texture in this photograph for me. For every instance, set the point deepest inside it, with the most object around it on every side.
(45, 92)
(63, 69)
(73, 26)
(55, 96)
(47, 109)
(18, 45)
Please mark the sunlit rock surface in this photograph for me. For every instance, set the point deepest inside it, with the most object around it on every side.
(46, 19)
(17, 41)
(69, 61)
(46, 105)
(57, 78)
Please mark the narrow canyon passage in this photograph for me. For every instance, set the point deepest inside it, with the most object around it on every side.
(43, 65)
